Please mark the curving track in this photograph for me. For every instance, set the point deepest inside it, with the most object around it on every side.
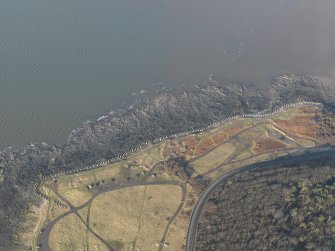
(200, 204)
(44, 239)
(191, 235)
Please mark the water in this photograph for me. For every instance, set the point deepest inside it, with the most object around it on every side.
(64, 61)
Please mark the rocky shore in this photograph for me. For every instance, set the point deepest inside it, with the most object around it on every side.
(114, 135)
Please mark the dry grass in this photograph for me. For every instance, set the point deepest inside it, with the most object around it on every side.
(189, 143)
(73, 187)
(305, 142)
(114, 215)
(277, 133)
(108, 171)
(239, 163)
(82, 179)
(204, 146)
(32, 224)
(54, 211)
(243, 155)
(64, 239)
(248, 136)
(45, 189)
(76, 197)
(292, 112)
(150, 156)
(289, 113)
(302, 124)
(135, 216)
(213, 158)
(95, 244)
(83, 213)
(160, 204)
(176, 239)
(68, 234)
(266, 144)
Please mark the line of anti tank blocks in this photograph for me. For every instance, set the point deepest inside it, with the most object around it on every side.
(157, 140)
(45, 197)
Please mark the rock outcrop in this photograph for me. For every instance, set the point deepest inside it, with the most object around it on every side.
(111, 136)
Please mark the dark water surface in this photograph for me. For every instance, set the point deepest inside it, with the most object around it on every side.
(64, 61)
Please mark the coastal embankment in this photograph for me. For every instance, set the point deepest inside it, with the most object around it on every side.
(170, 114)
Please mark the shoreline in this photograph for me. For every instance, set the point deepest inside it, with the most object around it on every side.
(102, 163)
(159, 99)
(168, 114)
(147, 99)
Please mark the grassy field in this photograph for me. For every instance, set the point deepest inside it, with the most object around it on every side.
(135, 217)
(76, 196)
(115, 215)
(177, 235)
(213, 158)
(83, 212)
(178, 230)
(159, 206)
(68, 234)
(95, 244)
(269, 139)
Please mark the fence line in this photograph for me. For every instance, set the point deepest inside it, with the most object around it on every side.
(212, 125)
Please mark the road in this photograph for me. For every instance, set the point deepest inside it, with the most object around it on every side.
(180, 207)
(283, 161)
(235, 137)
(201, 202)
(44, 239)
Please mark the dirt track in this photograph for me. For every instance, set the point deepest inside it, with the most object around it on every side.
(328, 152)
(44, 240)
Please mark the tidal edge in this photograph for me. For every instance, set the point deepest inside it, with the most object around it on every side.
(111, 136)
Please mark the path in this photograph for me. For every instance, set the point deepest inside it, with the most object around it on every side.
(191, 236)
